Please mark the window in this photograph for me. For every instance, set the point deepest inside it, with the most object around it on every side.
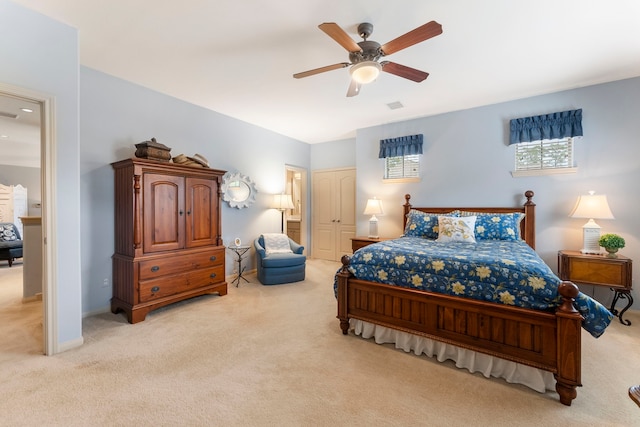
(407, 166)
(543, 155)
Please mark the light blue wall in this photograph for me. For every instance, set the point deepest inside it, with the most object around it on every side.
(467, 160)
(41, 55)
(116, 115)
(334, 154)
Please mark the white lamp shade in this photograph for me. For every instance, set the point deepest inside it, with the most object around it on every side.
(365, 72)
(374, 207)
(592, 206)
(282, 202)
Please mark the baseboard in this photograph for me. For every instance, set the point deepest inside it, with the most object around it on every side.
(68, 345)
(33, 298)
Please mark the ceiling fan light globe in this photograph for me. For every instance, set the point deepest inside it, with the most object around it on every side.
(365, 72)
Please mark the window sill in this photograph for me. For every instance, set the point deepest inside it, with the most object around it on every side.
(399, 180)
(540, 172)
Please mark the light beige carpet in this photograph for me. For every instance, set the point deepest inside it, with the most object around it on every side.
(275, 356)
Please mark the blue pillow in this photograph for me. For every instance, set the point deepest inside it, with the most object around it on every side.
(496, 226)
(422, 224)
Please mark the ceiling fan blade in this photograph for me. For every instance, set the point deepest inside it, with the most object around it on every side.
(321, 70)
(334, 31)
(354, 88)
(404, 71)
(420, 34)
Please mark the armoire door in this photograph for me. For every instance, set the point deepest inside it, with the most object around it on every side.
(163, 212)
(202, 212)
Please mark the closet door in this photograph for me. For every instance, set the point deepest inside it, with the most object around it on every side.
(323, 217)
(345, 182)
(333, 214)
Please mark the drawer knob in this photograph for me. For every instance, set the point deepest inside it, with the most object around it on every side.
(212, 275)
(155, 268)
(213, 258)
(155, 289)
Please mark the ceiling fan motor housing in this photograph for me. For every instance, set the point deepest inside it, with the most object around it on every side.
(370, 52)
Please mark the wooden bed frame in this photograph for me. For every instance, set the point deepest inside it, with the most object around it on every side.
(546, 340)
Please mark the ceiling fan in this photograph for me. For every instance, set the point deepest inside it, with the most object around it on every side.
(364, 55)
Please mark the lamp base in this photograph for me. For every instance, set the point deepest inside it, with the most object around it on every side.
(590, 238)
(373, 228)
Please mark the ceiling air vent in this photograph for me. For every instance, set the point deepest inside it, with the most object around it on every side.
(395, 105)
(8, 115)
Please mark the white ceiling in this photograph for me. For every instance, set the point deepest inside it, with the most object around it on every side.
(238, 57)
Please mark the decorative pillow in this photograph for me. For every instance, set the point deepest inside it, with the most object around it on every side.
(8, 233)
(456, 229)
(496, 226)
(276, 243)
(422, 224)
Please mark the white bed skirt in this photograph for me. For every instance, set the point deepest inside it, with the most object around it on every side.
(473, 361)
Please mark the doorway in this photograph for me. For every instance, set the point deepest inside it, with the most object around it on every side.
(297, 218)
(44, 149)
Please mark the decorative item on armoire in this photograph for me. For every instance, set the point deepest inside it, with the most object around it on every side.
(153, 150)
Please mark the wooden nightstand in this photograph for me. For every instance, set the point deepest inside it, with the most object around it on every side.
(362, 241)
(599, 270)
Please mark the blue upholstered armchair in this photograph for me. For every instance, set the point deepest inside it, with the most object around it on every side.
(279, 267)
(10, 242)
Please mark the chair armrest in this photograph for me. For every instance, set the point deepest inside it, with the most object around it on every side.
(296, 248)
(259, 249)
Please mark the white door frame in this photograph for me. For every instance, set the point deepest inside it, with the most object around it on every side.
(48, 186)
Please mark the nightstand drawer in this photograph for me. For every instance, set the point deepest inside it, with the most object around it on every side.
(596, 272)
(599, 270)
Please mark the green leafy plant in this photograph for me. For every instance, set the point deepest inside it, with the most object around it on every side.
(611, 241)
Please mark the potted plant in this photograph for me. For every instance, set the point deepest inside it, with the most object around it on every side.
(611, 243)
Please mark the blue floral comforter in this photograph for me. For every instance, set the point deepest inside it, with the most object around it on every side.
(505, 272)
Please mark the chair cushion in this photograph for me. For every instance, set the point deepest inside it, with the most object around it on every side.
(11, 244)
(283, 260)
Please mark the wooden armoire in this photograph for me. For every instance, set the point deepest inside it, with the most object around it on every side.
(168, 235)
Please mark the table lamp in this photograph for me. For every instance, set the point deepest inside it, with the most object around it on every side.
(373, 208)
(593, 207)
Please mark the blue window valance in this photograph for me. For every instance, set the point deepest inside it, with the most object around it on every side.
(549, 126)
(401, 146)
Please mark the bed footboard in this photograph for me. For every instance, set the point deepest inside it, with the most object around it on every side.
(544, 340)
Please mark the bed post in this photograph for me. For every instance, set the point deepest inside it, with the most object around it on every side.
(407, 208)
(529, 222)
(343, 277)
(568, 344)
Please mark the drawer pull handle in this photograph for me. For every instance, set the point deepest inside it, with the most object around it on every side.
(155, 289)
(212, 275)
(213, 258)
(155, 268)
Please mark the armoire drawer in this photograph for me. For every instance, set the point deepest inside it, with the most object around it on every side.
(160, 267)
(174, 284)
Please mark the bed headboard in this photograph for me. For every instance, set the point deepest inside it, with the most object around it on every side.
(527, 226)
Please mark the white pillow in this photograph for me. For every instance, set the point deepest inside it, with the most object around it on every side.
(276, 243)
(456, 229)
